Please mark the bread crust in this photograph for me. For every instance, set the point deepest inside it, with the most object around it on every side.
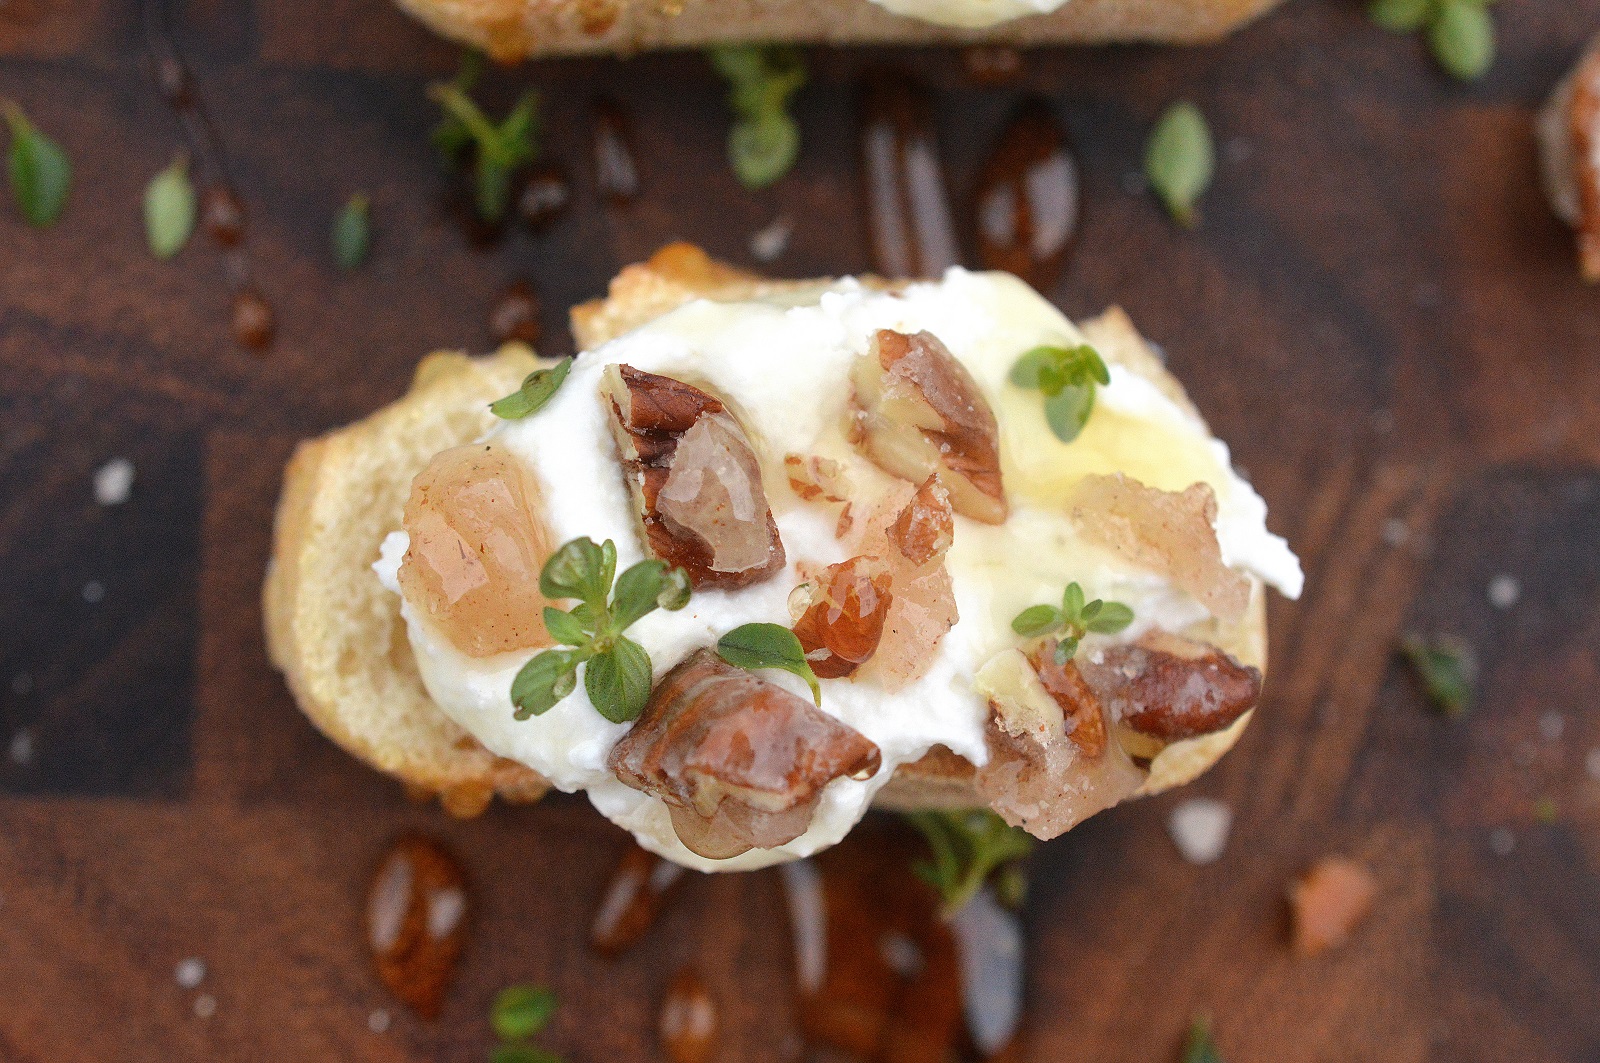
(510, 30)
(359, 683)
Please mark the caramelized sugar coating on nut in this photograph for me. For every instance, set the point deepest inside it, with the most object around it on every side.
(906, 526)
(918, 413)
(1170, 532)
(477, 545)
(695, 480)
(842, 612)
(1172, 688)
(1052, 764)
(739, 760)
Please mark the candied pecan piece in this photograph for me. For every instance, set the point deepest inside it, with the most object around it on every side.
(1172, 688)
(842, 612)
(813, 478)
(695, 479)
(1569, 141)
(477, 545)
(924, 605)
(1329, 902)
(918, 413)
(925, 529)
(739, 761)
(1170, 532)
(1041, 776)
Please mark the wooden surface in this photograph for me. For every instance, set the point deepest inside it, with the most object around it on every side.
(1378, 313)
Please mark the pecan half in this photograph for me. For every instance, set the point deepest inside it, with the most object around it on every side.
(842, 612)
(739, 761)
(918, 413)
(695, 479)
(1170, 532)
(1172, 688)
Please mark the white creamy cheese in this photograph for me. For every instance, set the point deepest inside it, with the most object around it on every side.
(784, 369)
(970, 14)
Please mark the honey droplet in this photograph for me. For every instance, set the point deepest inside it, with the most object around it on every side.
(909, 223)
(253, 325)
(988, 65)
(1027, 203)
(545, 197)
(222, 215)
(416, 922)
(515, 315)
(689, 1019)
(615, 167)
(633, 898)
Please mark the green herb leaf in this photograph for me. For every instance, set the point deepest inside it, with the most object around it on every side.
(645, 587)
(1400, 16)
(520, 1011)
(1199, 1047)
(352, 233)
(1068, 411)
(1066, 649)
(1067, 376)
(618, 681)
(536, 390)
(1181, 160)
(1037, 620)
(518, 1053)
(1111, 618)
(1461, 37)
(499, 150)
(1072, 601)
(675, 590)
(169, 209)
(967, 848)
(545, 680)
(576, 570)
(1448, 670)
(754, 646)
(567, 628)
(764, 141)
(41, 175)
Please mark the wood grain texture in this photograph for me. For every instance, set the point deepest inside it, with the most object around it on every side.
(1377, 312)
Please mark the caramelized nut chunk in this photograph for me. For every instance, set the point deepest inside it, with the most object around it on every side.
(1170, 532)
(695, 480)
(477, 545)
(918, 413)
(924, 605)
(813, 478)
(1329, 902)
(739, 760)
(1041, 776)
(1171, 688)
(842, 614)
(1584, 129)
(925, 529)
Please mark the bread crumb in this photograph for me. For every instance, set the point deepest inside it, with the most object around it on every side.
(113, 482)
(1329, 902)
(1199, 827)
(1504, 591)
(190, 972)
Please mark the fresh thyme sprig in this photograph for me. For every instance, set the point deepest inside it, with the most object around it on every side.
(1199, 1046)
(1067, 376)
(1180, 160)
(39, 171)
(538, 387)
(521, 1012)
(1074, 619)
(1447, 668)
(1460, 33)
(617, 670)
(752, 646)
(765, 140)
(968, 847)
(498, 150)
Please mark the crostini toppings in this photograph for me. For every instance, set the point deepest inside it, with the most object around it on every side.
(925, 529)
(477, 544)
(1171, 688)
(1083, 720)
(618, 671)
(695, 480)
(1073, 620)
(841, 612)
(1067, 376)
(924, 605)
(754, 646)
(918, 413)
(740, 762)
(1168, 532)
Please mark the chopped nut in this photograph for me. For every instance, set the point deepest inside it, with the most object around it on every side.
(925, 529)
(924, 605)
(918, 413)
(695, 480)
(842, 614)
(1329, 901)
(1172, 688)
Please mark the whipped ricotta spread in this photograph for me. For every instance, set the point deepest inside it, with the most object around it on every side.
(970, 14)
(783, 364)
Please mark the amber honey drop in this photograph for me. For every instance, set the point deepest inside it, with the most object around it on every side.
(616, 167)
(689, 1020)
(1027, 203)
(514, 318)
(632, 899)
(253, 324)
(222, 215)
(908, 212)
(416, 922)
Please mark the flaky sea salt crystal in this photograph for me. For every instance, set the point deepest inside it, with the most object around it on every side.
(190, 972)
(766, 244)
(113, 482)
(1199, 827)
(1504, 591)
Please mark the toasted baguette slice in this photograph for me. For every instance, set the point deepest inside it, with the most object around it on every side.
(510, 30)
(338, 636)
(332, 628)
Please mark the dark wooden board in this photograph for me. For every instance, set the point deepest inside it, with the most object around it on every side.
(1378, 313)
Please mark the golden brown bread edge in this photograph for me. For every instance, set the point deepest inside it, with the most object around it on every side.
(339, 638)
(509, 30)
